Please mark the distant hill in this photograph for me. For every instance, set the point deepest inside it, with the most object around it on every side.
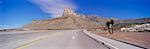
(140, 20)
(130, 22)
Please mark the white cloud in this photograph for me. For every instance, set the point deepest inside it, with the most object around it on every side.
(5, 27)
(54, 7)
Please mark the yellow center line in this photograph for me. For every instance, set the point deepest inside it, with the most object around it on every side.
(33, 42)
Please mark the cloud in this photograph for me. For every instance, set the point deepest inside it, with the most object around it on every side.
(54, 7)
(5, 27)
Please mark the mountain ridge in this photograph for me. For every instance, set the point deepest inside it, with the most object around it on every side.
(72, 20)
(69, 20)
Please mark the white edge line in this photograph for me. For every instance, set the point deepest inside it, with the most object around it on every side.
(99, 40)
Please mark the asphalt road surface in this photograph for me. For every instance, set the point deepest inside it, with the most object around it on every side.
(57, 39)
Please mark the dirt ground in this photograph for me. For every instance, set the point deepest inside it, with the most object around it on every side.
(137, 38)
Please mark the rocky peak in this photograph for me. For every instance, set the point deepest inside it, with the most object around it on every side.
(69, 12)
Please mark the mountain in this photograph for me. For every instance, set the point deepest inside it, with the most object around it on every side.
(140, 20)
(130, 22)
(69, 20)
(72, 20)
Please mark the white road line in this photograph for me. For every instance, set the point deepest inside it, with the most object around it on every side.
(73, 37)
(110, 42)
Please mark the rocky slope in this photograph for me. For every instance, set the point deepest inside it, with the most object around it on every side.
(69, 20)
(140, 20)
(130, 22)
(72, 20)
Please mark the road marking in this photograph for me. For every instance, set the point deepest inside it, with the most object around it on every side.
(110, 45)
(39, 39)
(73, 37)
(94, 36)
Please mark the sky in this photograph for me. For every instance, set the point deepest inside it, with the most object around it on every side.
(16, 13)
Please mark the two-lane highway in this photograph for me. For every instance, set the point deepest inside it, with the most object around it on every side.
(11, 40)
(62, 39)
(71, 39)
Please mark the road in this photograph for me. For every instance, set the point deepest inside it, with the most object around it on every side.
(58, 39)
(11, 40)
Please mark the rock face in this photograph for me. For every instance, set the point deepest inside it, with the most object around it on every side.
(140, 20)
(69, 12)
(69, 20)
(130, 22)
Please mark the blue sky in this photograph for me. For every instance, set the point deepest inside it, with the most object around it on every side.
(16, 13)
